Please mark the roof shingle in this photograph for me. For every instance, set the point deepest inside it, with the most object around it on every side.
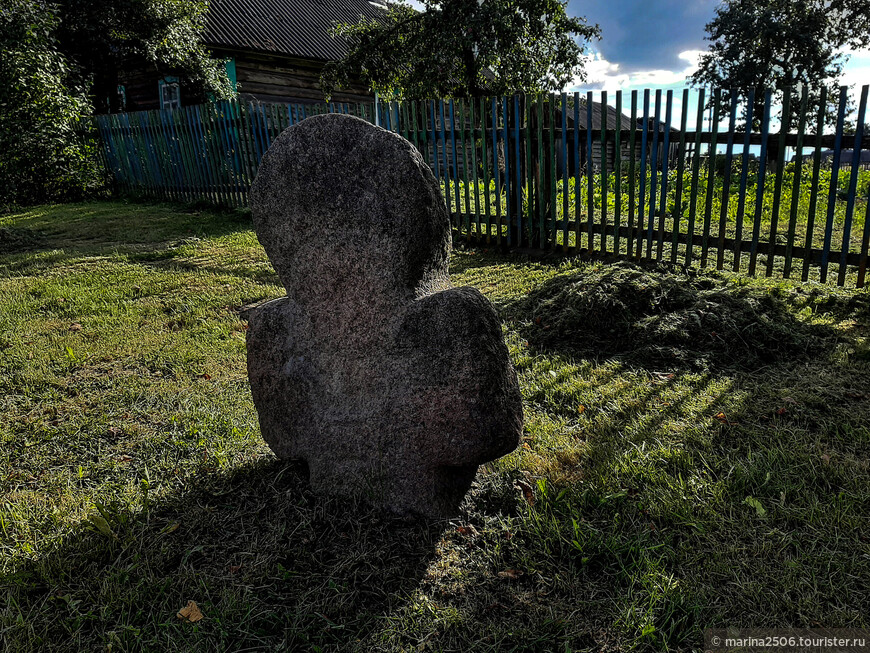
(296, 28)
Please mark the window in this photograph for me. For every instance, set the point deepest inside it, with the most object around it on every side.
(170, 93)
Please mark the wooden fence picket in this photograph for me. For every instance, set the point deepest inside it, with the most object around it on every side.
(832, 192)
(635, 186)
(744, 178)
(853, 187)
(726, 187)
(677, 216)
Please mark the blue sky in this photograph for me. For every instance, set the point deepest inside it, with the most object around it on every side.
(643, 36)
(656, 43)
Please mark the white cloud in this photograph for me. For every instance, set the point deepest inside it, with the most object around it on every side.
(606, 75)
(856, 72)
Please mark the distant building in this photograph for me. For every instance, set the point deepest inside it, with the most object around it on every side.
(276, 50)
(846, 158)
(609, 120)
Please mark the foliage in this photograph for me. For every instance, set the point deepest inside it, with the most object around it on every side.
(58, 61)
(475, 195)
(463, 48)
(781, 44)
(105, 38)
(41, 101)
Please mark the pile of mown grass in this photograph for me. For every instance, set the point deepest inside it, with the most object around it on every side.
(670, 318)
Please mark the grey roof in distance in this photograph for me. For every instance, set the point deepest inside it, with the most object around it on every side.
(295, 28)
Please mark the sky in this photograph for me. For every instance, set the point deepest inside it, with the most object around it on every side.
(655, 44)
(645, 43)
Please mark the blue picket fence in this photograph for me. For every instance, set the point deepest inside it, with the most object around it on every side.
(621, 174)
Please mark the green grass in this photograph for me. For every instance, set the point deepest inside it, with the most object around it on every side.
(810, 219)
(695, 455)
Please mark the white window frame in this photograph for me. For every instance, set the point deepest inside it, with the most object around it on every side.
(170, 93)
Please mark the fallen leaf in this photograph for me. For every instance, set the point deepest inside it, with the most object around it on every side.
(207, 377)
(510, 573)
(75, 326)
(102, 525)
(781, 411)
(171, 528)
(235, 568)
(125, 458)
(115, 432)
(190, 612)
(755, 503)
(581, 409)
(721, 417)
(466, 530)
(538, 320)
(527, 491)
(826, 459)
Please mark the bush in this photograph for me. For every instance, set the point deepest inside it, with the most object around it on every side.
(43, 154)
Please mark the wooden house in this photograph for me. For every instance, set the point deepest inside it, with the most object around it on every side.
(275, 52)
(606, 116)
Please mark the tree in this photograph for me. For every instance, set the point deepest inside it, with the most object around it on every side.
(781, 44)
(105, 38)
(464, 48)
(59, 61)
(40, 102)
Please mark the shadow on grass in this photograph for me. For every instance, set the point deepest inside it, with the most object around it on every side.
(102, 228)
(633, 530)
(271, 566)
(163, 237)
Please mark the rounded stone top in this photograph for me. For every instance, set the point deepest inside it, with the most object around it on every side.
(346, 210)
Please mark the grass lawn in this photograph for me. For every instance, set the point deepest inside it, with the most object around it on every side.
(697, 454)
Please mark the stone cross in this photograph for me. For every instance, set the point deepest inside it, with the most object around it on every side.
(391, 384)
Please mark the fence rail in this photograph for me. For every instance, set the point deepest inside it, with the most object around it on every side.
(538, 172)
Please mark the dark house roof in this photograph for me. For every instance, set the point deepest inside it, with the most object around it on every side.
(295, 28)
(596, 116)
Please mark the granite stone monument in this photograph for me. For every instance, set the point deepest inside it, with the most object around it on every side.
(390, 383)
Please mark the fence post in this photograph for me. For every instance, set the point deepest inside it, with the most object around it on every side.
(832, 191)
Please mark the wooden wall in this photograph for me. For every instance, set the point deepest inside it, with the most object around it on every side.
(262, 78)
(269, 79)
